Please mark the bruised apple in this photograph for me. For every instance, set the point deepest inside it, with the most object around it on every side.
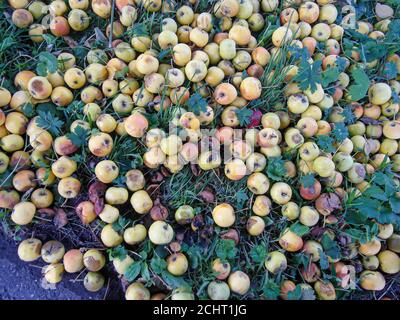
(93, 281)
(141, 202)
(137, 291)
(102, 8)
(275, 262)
(110, 237)
(281, 193)
(39, 87)
(218, 290)
(53, 272)
(94, 260)
(29, 250)
(177, 264)
(239, 282)
(290, 241)
(311, 192)
(52, 251)
(372, 280)
(23, 213)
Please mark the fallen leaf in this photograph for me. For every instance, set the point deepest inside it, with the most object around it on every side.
(60, 219)
(383, 11)
(96, 195)
(46, 212)
(71, 42)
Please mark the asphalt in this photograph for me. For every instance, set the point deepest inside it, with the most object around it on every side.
(24, 281)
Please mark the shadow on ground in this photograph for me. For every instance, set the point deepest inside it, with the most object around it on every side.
(23, 281)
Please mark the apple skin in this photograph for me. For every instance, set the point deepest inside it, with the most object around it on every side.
(59, 26)
(290, 241)
(311, 193)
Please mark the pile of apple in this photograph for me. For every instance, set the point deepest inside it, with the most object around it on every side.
(58, 261)
(121, 86)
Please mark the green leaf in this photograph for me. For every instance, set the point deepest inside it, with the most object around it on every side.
(195, 254)
(120, 181)
(79, 136)
(325, 143)
(147, 248)
(360, 86)
(395, 97)
(78, 157)
(323, 261)
(119, 75)
(47, 64)
(299, 229)
(369, 206)
(139, 30)
(7, 42)
(118, 252)
(381, 178)
(144, 272)
(258, 253)
(301, 259)
(371, 50)
(197, 104)
(73, 109)
(133, 271)
(341, 63)
(154, 122)
(331, 74)
(244, 116)
(330, 246)
(307, 180)
(120, 224)
(241, 198)
(339, 132)
(80, 52)
(363, 232)
(271, 290)
(389, 70)
(166, 53)
(50, 39)
(276, 169)
(173, 281)
(143, 254)
(28, 110)
(375, 192)
(157, 264)
(136, 161)
(295, 294)
(307, 294)
(355, 234)
(348, 114)
(48, 107)
(6, 179)
(226, 249)
(395, 204)
(49, 122)
(309, 74)
(393, 31)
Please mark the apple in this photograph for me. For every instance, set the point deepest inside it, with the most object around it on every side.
(290, 241)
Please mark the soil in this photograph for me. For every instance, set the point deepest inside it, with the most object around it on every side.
(23, 281)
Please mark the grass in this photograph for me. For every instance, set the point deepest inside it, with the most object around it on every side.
(182, 188)
(16, 51)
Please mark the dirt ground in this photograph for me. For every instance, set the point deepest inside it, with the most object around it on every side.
(23, 281)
